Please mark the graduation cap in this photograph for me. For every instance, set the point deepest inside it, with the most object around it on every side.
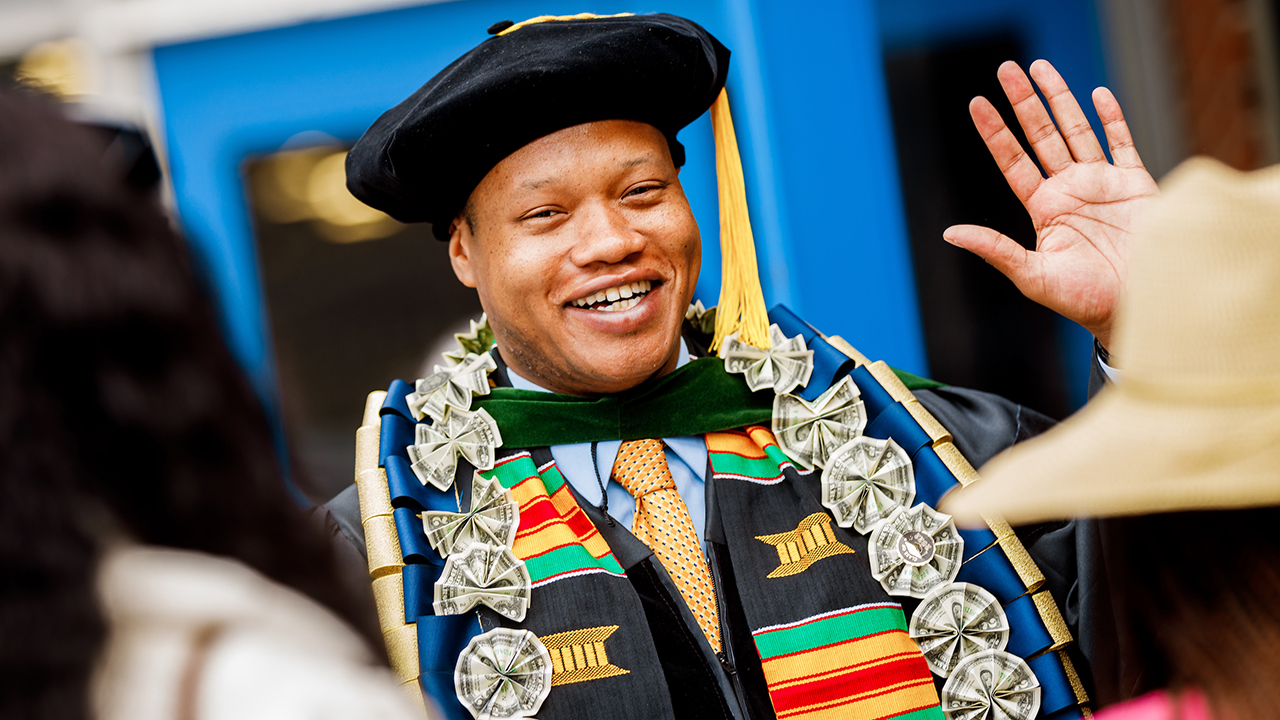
(421, 160)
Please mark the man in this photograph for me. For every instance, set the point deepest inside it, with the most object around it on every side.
(648, 535)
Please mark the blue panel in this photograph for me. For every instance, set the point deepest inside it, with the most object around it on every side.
(1067, 33)
(1055, 688)
(993, 571)
(837, 176)
(395, 400)
(1027, 633)
(441, 639)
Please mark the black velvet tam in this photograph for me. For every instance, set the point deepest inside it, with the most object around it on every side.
(421, 159)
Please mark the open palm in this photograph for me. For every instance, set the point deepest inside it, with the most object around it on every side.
(1084, 211)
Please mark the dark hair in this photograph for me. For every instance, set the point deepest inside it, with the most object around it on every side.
(1197, 603)
(122, 412)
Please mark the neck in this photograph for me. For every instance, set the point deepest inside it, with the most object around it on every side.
(524, 377)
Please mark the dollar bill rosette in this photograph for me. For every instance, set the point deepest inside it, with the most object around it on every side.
(956, 621)
(436, 449)
(476, 342)
(483, 574)
(503, 673)
(703, 319)
(991, 685)
(492, 519)
(866, 479)
(808, 432)
(913, 551)
(451, 387)
(784, 367)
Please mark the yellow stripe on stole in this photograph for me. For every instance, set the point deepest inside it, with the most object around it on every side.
(805, 667)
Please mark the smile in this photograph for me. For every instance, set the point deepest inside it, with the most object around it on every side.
(615, 299)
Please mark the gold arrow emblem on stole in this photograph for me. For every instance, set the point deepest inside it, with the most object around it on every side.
(812, 540)
(579, 655)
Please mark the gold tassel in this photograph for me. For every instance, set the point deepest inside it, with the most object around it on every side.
(742, 306)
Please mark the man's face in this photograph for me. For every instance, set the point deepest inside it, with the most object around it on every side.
(585, 255)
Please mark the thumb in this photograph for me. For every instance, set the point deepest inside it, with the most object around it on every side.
(1000, 251)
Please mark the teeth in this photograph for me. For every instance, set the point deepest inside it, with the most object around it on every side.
(622, 297)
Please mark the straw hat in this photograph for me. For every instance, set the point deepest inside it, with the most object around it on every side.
(1194, 423)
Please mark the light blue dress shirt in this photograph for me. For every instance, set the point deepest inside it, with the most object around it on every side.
(686, 457)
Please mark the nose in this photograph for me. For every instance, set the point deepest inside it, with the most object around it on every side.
(604, 236)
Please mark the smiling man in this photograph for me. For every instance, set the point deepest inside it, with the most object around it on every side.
(585, 254)
(586, 513)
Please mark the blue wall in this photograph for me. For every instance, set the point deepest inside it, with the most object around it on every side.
(808, 98)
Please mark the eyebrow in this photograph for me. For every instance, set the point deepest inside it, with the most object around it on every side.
(627, 165)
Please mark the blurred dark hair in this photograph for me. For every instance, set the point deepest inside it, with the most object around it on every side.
(122, 413)
(1197, 604)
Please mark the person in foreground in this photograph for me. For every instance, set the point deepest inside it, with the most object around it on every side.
(611, 501)
(154, 566)
(1179, 457)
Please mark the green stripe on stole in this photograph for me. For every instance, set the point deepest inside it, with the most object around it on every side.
(828, 631)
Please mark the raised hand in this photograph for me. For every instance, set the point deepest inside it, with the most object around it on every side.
(1084, 211)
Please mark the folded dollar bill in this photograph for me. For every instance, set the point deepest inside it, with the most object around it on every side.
(503, 673)
(493, 519)
(434, 454)
(955, 621)
(809, 432)
(991, 685)
(784, 367)
(483, 574)
(476, 342)
(913, 551)
(866, 479)
(451, 387)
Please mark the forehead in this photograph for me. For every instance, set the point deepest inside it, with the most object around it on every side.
(577, 154)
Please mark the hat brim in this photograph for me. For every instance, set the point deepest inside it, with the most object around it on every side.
(1126, 455)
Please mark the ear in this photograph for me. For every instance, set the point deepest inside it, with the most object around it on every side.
(462, 249)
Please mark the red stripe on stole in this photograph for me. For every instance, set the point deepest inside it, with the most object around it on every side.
(537, 512)
(540, 512)
(855, 682)
(581, 525)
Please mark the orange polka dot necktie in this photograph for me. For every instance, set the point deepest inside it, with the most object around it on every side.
(662, 522)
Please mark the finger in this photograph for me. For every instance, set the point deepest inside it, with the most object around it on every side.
(1034, 119)
(1000, 251)
(1123, 152)
(1022, 175)
(1071, 120)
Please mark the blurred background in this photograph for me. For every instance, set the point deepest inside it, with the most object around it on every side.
(851, 114)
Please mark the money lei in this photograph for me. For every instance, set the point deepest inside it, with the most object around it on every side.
(451, 387)
(503, 673)
(434, 454)
(783, 367)
(493, 518)
(809, 432)
(865, 480)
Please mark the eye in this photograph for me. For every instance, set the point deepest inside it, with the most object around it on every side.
(643, 189)
(545, 213)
